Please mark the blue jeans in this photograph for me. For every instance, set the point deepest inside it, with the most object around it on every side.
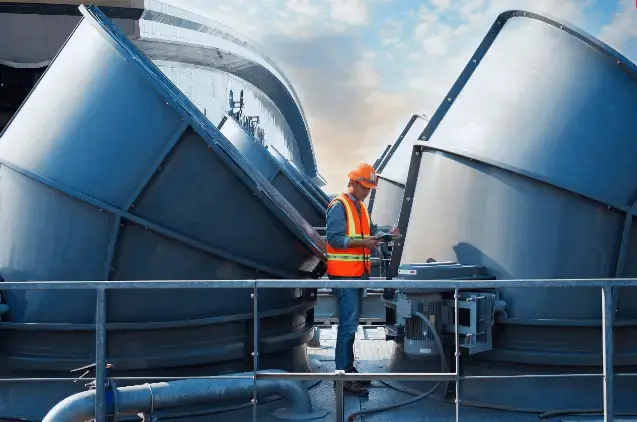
(349, 304)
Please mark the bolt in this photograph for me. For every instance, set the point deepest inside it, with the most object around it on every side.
(449, 99)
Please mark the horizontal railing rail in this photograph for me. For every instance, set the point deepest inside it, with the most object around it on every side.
(606, 286)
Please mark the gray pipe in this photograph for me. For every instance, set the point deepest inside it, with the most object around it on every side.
(147, 398)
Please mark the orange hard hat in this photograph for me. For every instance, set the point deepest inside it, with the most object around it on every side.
(365, 175)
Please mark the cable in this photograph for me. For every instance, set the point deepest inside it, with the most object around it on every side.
(443, 363)
(565, 412)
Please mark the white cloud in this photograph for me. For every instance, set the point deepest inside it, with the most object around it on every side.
(304, 7)
(441, 4)
(623, 27)
(391, 33)
(351, 12)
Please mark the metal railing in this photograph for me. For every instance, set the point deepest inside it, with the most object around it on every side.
(606, 286)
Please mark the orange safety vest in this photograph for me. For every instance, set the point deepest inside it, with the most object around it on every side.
(350, 262)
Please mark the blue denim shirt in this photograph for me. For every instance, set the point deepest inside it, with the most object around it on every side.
(335, 222)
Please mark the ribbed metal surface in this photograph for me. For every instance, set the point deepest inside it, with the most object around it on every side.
(109, 172)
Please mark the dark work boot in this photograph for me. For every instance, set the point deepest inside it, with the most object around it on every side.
(355, 371)
(354, 388)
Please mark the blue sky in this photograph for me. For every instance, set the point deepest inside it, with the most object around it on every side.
(363, 67)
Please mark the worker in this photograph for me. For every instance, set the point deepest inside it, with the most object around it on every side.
(351, 236)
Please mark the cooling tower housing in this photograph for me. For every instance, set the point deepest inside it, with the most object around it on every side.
(528, 168)
(314, 190)
(122, 178)
(276, 172)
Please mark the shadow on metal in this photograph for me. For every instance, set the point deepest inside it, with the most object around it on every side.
(528, 168)
(274, 171)
(109, 172)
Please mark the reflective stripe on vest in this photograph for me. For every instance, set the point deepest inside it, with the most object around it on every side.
(353, 261)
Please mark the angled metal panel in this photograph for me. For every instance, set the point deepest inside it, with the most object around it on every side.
(286, 182)
(317, 193)
(527, 167)
(109, 171)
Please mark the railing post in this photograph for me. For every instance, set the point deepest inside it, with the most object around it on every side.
(607, 352)
(457, 354)
(100, 356)
(340, 401)
(255, 350)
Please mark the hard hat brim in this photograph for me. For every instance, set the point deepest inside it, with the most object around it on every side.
(367, 184)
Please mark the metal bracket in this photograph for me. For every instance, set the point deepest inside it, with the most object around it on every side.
(475, 320)
(110, 387)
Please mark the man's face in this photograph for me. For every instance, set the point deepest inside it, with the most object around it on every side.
(360, 191)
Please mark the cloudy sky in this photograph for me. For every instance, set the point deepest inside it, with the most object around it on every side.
(363, 67)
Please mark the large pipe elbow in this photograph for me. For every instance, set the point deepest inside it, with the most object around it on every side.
(146, 398)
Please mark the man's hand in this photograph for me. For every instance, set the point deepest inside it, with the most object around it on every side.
(370, 242)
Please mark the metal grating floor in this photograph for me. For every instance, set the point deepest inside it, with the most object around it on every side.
(372, 353)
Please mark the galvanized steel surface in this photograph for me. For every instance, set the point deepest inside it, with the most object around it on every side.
(318, 194)
(122, 178)
(546, 199)
(286, 182)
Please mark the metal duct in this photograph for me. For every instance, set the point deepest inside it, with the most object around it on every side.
(279, 175)
(529, 169)
(109, 172)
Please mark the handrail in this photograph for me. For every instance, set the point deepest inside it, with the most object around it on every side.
(606, 286)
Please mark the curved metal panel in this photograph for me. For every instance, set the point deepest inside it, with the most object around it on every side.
(126, 179)
(274, 171)
(251, 64)
(163, 31)
(527, 168)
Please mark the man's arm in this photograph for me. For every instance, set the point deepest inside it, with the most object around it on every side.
(335, 230)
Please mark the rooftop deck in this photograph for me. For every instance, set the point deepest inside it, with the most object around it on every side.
(372, 353)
